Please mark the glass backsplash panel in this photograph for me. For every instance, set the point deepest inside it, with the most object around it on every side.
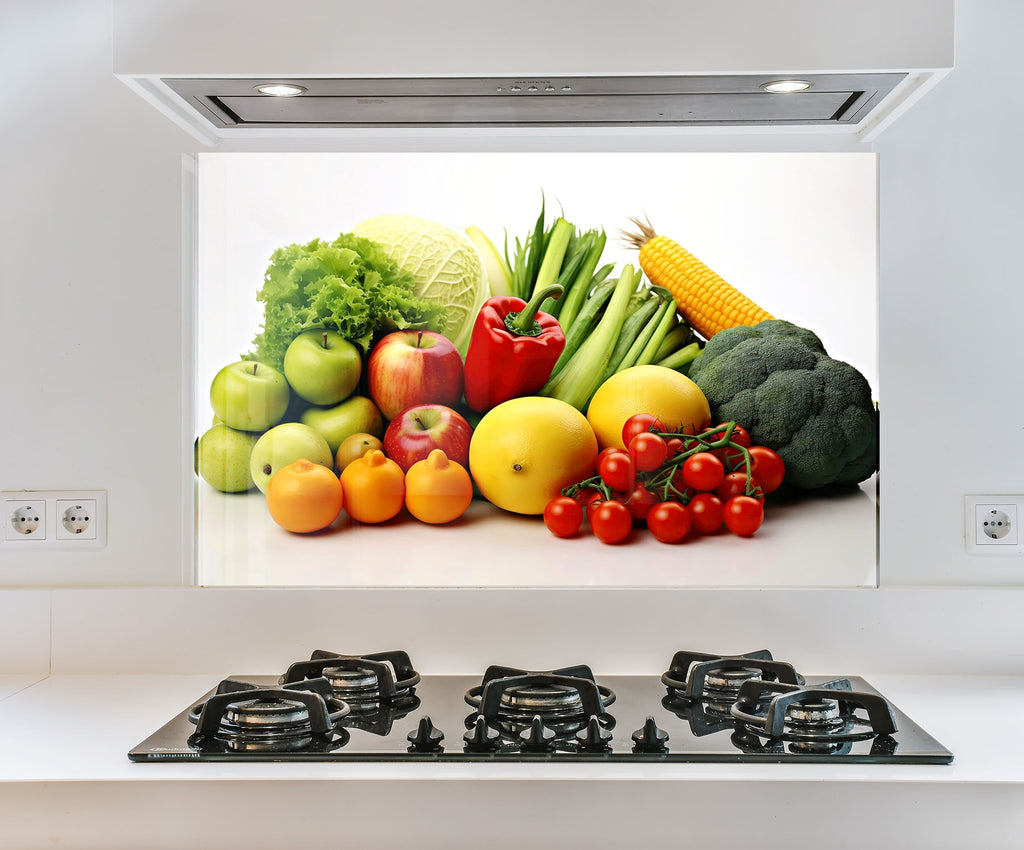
(795, 233)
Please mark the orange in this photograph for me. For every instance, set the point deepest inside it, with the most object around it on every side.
(374, 488)
(304, 496)
(670, 396)
(525, 450)
(437, 489)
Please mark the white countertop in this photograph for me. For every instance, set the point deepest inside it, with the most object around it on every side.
(64, 741)
(102, 717)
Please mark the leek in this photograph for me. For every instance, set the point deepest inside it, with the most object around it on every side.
(585, 371)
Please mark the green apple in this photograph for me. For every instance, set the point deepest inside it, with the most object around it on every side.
(222, 458)
(322, 366)
(249, 396)
(284, 444)
(353, 416)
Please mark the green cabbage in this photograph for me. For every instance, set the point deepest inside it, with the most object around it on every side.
(445, 268)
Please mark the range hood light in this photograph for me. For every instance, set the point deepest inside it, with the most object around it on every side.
(786, 86)
(280, 89)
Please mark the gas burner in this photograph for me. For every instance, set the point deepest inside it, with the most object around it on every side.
(810, 718)
(563, 699)
(243, 717)
(717, 679)
(366, 682)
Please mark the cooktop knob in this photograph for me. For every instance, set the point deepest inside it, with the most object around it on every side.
(481, 737)
(650, 739)
(537, 738)
(594, 737)
(426, 738)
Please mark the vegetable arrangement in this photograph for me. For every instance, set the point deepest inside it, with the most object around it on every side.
(608, 325)
(571, 373)
(674, 483)
(349, 285)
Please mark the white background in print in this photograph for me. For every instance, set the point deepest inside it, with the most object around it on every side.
(796, 232)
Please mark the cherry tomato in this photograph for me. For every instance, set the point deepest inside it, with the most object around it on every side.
(669, 522)
(767, 467)
(732, 457)
(638, 423)
(706, 512)
(617, 471)
(674, 446)
(743, 515)
(611, 522)
(593, 499)
(648, 451)
(735, 484)
(563, 516)
(640, 502)
(703, 471)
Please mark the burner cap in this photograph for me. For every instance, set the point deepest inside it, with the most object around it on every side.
(267, 713)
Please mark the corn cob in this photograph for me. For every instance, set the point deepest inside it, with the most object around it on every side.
(707, 302)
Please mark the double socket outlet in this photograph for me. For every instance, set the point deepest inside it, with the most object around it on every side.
(54, 519)
(991, 525)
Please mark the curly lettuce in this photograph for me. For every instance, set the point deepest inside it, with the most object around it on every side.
(349, 285)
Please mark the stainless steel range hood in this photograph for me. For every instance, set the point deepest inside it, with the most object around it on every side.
(459, 66)
(536, 101)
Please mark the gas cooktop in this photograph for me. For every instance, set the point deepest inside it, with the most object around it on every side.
(704, 708)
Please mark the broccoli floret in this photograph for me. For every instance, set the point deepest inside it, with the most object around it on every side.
(777, 381)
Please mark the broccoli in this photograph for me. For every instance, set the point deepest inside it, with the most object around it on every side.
(777, 381)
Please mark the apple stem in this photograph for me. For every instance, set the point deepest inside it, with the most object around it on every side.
(254, 367)
(325, 339)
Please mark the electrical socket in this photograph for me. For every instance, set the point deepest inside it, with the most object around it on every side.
(54, 519)
(76, 519)
(24, 519)
(991, 525)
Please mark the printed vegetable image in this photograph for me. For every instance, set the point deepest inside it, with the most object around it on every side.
(672, 483)
(304, 497)
(445, 268)
(374, 487)
(437, 489)
(817, 413)
(513, 349)
(350, 286)
(708, 303)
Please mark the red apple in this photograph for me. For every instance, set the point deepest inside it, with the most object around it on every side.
(407, 368)
(416, 432)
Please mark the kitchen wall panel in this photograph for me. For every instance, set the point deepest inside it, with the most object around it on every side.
(445, 630)
(92, 212)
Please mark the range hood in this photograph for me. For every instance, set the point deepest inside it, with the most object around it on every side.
(744, 100)
(243, 69)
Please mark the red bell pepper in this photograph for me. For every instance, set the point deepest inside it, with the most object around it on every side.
(513, 349)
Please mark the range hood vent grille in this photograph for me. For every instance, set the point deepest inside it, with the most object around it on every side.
(839, 99)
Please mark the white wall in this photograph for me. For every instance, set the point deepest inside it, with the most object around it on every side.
(91, 320)
(951, 301)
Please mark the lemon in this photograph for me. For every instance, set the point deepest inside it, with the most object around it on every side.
(676, 400)
(525, 450)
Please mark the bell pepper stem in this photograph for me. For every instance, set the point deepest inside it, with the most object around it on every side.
(524, 323)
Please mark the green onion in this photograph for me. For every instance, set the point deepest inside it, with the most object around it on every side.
(585, 371)
(586, 319)
(579, 288)
(632, 330)
(681, 359)
(676, 338)
(661, 328)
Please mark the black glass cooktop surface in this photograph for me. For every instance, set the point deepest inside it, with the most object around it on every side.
(563, 715)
